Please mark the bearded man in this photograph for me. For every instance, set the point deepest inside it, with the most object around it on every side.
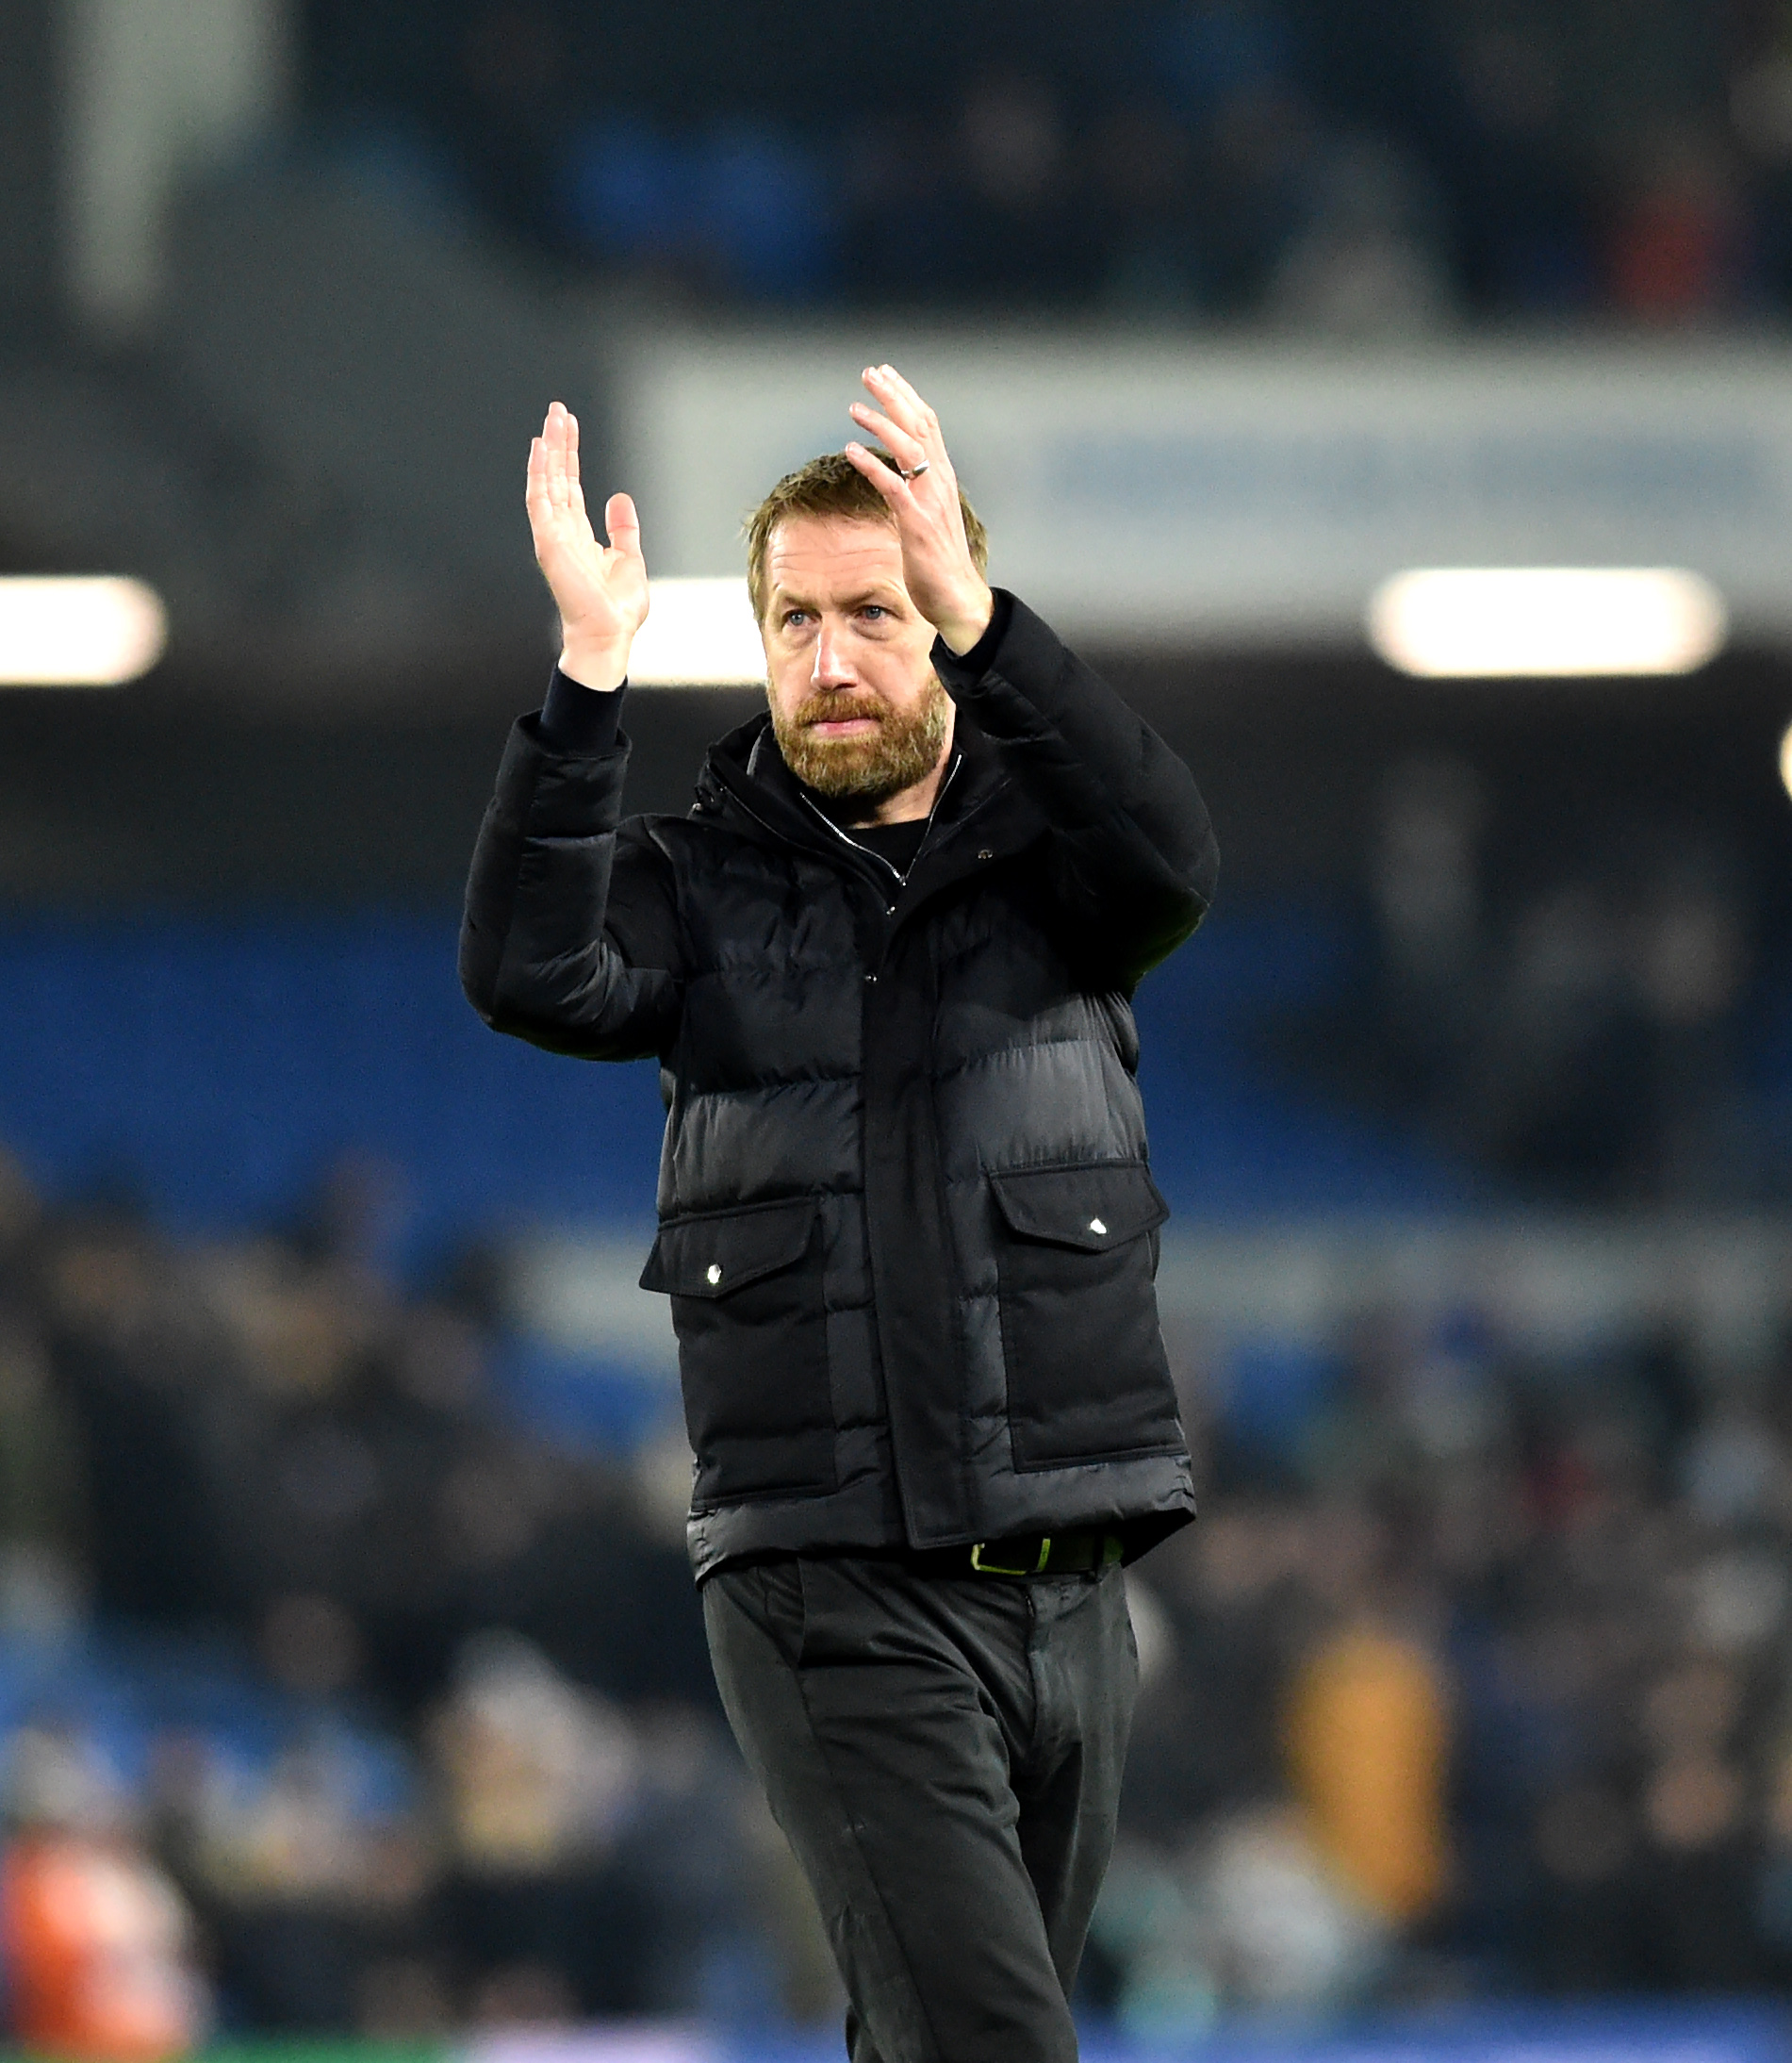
(908, 1226)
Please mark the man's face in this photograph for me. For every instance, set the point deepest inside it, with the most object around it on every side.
(856, 705)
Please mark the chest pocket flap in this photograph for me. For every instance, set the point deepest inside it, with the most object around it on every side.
(1095, 1207)
(722, 1252)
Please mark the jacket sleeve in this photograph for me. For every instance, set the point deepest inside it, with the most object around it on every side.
(1133, 850)
(570, 933)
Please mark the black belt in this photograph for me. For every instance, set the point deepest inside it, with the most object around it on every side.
(1024, 1554)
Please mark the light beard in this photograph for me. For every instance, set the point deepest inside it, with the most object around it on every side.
(871, 767)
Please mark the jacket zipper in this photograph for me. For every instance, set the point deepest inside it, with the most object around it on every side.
(783, 838)
(901, 873)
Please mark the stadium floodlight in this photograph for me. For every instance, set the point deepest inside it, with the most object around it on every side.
(78, 631)
(699, 633)
(1513, 622)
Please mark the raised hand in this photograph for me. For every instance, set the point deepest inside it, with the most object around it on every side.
(600, 592)
(937, 567)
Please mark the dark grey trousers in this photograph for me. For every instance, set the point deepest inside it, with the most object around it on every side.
(945, 1755)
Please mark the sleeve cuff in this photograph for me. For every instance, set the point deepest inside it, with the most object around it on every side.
(576, 718)
(964, 670)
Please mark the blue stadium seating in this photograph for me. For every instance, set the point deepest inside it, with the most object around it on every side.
(216, 1068)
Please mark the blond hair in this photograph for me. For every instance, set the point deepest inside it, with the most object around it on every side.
(834, 486)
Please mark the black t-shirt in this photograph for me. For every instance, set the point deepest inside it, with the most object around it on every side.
(897, 843)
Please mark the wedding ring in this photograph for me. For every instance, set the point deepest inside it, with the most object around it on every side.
(914, 473)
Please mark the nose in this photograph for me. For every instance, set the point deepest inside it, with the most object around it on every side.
(832, 668)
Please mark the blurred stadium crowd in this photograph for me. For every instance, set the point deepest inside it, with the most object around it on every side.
(409, 1713)
(1388, 170)
(388, 1714)
(1533, 1014)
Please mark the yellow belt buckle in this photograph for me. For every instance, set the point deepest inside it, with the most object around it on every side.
(991, 1568)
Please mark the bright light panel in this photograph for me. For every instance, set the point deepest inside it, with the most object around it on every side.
(78, 633)
(1508, 622)
(699, 633)
(1785, 761)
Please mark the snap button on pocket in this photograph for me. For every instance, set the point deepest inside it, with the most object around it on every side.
(1074, 1267)
(749, 1310)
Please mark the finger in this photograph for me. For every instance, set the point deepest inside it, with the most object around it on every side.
(902, 391)
(622, 525)
(900, 400)
(893, 404)
(553, 437)
(892, 485)
(535, 493)
(575, 490)
(907, 450)
(546, 441)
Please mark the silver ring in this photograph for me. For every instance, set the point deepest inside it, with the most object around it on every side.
(914, 473)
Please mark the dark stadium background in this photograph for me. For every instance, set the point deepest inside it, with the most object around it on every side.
(342, 1592)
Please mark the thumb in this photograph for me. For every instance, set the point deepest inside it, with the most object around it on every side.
(622, 525)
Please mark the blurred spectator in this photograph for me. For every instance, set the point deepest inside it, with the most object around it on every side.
(1525, 206)
(1149, 1950)
(1021, 227)
(1011, 139)
(538, 1773)
(311, 1646)
(1231, 73)
(1288, 1934)
(563, 1899)
(1141, 163)
(1575, 1042)
(1365, 262)
(1585, 1848)
(1698, 1879)
(1678, 249)
(135, 1357)
(903, 221)
(1368, 1740)
(1247, 1918)
(1424, 876)
(309, 1878)
(98, 1945)
(44, 1515)
(511, 92)
(1205, 1735)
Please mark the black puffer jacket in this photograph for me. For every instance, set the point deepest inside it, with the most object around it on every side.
(906, 1223)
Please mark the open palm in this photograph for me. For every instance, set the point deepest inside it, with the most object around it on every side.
(601, 591)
